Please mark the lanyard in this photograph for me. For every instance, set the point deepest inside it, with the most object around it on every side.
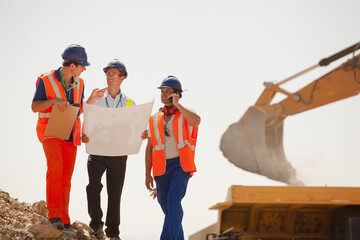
(107, 104)
(62, 80)
(67, 92)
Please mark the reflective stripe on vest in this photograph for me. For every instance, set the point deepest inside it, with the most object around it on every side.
(160, 141)
(54, 89)
(185, 143)
(44, 115)
(54, 86)
(180, 136)
(181, 142)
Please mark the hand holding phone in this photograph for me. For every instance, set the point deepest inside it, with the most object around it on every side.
(171, 98)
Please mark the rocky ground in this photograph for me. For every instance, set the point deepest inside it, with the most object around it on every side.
(20, 221)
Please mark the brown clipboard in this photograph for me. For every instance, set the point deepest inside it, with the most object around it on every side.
(60, 123)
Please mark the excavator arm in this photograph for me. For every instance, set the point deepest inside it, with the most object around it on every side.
(255, 143)
(341, 83)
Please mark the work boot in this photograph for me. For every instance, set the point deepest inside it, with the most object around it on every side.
(114, 238)
(99, 233)
(56, 223)
(67, 226)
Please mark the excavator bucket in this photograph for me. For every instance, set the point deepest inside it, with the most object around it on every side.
(255, 144)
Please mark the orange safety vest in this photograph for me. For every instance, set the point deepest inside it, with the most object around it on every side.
(54, 89)
(186, 143)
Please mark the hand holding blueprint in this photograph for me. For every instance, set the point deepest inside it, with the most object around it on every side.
(115, 131)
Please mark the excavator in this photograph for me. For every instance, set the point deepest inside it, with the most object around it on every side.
(255, 144)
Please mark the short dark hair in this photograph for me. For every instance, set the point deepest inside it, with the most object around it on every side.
(67, 63)
(122, 73)
(178, 91)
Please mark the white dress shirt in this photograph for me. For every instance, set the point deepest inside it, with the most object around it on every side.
(119, 101)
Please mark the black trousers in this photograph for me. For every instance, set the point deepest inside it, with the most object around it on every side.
(115, 168)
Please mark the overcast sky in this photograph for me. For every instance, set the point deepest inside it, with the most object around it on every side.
(222, 52)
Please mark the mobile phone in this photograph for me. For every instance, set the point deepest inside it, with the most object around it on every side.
(170, 99)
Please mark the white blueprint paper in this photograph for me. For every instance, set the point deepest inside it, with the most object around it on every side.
(115, 131)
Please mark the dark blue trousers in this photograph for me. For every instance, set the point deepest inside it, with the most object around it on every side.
(171, 188)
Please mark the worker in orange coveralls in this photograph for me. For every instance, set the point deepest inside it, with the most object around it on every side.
(63, 87)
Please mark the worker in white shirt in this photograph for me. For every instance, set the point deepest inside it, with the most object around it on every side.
(115, 167)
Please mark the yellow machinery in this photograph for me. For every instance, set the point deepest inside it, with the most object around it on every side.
(286, 213)
(255, 144)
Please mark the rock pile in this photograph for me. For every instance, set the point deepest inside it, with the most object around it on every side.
(20, 221)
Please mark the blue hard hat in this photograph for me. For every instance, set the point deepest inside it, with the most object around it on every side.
(76, 53)
(116, 64)
(171, 82)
